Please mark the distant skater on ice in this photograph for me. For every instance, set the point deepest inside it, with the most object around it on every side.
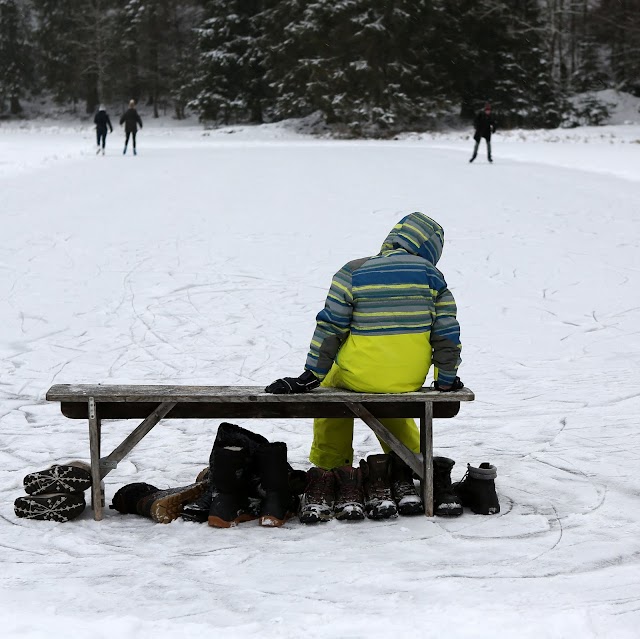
(131, 119)
(102, 121)
(484, 124)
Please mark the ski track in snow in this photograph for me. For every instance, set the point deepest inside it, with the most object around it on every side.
(204, 261)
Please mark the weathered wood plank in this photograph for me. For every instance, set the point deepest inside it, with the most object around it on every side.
(256, 410)
(408, 456)
(237, 394)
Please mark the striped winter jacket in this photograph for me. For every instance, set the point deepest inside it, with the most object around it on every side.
(392, 311)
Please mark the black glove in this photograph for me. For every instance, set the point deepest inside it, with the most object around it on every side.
(457, 385)
(287, 385)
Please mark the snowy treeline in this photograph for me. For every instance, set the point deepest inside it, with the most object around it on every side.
(367, 65)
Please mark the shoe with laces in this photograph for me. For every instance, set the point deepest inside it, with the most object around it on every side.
(349, 504)
(477, 489)
(445, 501)
(378, 500)
(403, 489)
(319, 496)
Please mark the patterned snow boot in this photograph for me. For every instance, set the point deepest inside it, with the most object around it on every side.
(378, 501)
(58, 507)
(402, 487)
(349, 504)
(477, 489)
(230, 487)
(74, 477)
(319, 496)
(278, 504)
(445, 502)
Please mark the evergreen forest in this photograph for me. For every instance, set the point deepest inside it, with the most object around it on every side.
(367, 67)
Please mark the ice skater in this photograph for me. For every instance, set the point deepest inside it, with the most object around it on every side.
(484, 124)
(102, 121)
(131, 119)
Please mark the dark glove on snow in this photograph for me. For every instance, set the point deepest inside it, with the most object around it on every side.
(457, 385)
(287, 385)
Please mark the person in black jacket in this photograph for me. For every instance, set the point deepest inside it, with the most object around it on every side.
(102, 121)
(130, 119)
(485, 125)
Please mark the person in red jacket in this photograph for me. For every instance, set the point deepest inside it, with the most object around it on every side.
(131, 119)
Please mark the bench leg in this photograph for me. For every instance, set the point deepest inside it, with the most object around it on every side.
(426, 448)
(94, 448)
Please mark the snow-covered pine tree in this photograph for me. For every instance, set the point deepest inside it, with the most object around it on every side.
(59, 54)
(229, 82)
(364, 64)
(16, 67)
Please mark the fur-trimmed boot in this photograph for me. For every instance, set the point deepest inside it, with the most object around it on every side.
(477, 489)
(278, 503)
(403, 489)
(378, 500)
(163, 506)
(445, 502)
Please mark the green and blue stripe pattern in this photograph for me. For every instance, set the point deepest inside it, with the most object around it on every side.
(396, 292)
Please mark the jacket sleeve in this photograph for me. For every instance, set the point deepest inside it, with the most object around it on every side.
(139, 119)
(445, 338)
(95, 119)
(333, 324)
(122, 118)
(109, 123)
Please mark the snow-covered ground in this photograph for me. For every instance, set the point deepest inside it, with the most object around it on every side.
(205, 259)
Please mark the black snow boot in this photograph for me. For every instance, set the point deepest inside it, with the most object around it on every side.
(230, 484)
(445, 502)
(227, 435)
(73, 477)
(477, 490)
(349, 504)
(278, 503)
(59, 507)
(378, 500)
(319, 496)
(402, 487)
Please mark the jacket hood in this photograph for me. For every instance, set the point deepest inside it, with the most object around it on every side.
(417, 234)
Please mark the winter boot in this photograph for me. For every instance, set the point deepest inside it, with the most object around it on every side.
(378, 501)
(198, 510)
(230, 484)
(126, 499)
(477, 490)
(319, 496)
(278, 503)
(125, 150)
(402, 487)
(227, 435)
(58, 507)
(164, 506)
(74, 477)
(445, 501)
(349, 504)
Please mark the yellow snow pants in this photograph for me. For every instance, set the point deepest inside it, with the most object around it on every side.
(371, 364)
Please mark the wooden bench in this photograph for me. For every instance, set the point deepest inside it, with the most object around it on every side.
(97, 403)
